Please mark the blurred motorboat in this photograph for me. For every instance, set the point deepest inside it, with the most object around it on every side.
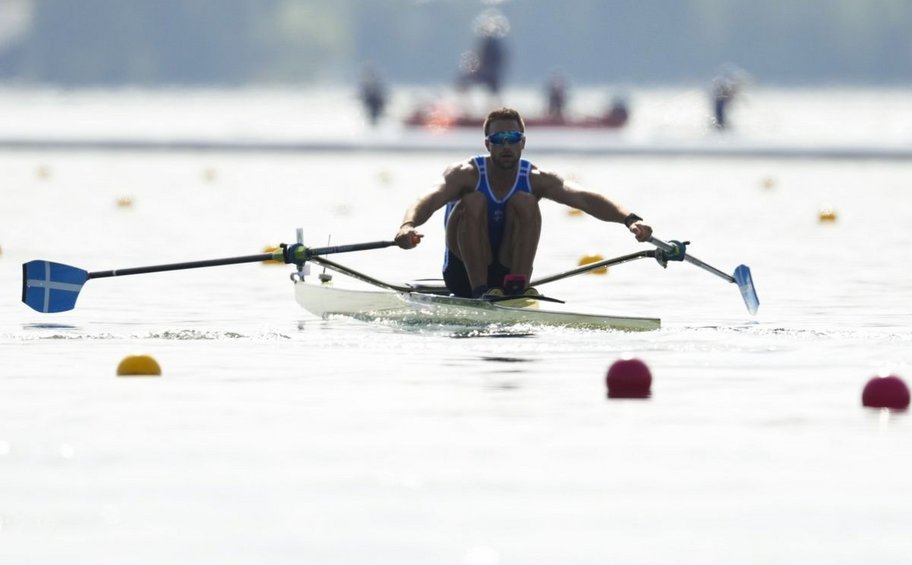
(443, 118)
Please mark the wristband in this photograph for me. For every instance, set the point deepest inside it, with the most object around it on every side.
(631, 218)
(403, 224)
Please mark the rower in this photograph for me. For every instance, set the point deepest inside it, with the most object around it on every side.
(492, 217)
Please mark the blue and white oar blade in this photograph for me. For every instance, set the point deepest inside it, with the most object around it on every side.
(51, 287)
(745, 284)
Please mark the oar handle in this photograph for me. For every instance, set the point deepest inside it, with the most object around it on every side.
(674, 249)
(312, 251)
(299, 253)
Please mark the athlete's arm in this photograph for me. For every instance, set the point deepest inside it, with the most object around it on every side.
(457, 180)
(554, 187)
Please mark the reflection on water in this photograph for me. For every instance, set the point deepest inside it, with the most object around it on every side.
(492, 332)
(47, 326)
(506, 359)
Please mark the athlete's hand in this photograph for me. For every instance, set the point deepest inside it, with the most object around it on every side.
(407, 238)
(642, 231)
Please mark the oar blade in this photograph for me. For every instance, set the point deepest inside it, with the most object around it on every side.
(51, 287)
(742, 276)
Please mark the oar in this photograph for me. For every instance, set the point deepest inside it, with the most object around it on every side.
(676, 251)
(54, 287)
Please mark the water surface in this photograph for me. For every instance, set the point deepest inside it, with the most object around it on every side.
(276, 437)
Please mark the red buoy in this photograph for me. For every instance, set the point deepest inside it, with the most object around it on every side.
(628, 378)
(886, 392)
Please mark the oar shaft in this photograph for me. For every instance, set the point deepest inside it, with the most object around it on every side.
(710, 268)
(304, 253)
(691, 259)
(187, 265)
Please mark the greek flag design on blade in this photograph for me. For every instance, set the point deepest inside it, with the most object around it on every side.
(51, 287)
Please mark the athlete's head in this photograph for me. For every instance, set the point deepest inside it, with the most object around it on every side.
(505, 137)
(508, 114)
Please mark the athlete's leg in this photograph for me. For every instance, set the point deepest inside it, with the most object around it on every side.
(467, 237)
(522, 229)
(456, 278)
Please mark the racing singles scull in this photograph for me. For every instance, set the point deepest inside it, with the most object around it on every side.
(433, 304)
(414, 307)
(54, 287)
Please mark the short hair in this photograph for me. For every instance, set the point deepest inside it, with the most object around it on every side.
(503, 114)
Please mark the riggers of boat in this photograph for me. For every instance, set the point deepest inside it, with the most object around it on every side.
(54, 287)
(429, 307)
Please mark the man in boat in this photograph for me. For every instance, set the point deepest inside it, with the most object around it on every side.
(485, 65)
(373, 95)
(557, 96)
(492, 216)
(726, 87)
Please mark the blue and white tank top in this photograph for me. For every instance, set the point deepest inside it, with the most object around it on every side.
(497, 207)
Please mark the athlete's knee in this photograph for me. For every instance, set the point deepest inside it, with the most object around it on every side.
(474, 206)
(524, 205)
(473, 199)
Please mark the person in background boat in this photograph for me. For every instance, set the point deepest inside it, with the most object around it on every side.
(557, 96)
(618, 112)
(492, 217)
(725, 87)
(723, 92)
(486, 64)
(373, 95)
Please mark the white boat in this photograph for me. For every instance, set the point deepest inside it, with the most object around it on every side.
(413, 307)
(433, 305)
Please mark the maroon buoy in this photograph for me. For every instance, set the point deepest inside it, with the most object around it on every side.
(886, 392)
(628, 378)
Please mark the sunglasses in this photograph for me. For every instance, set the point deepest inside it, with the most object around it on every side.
(501, 137)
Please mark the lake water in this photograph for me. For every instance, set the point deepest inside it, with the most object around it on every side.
(277, 437)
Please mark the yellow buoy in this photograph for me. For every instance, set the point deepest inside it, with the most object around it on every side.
(587, 259)
(125, 202)
(270, 249)
(210, 174)
(138, 365)
(768, 183)
(574, 212)
(826, 214)
(384, 177)
(43, 172)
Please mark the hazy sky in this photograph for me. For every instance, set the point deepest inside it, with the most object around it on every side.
(421, 41)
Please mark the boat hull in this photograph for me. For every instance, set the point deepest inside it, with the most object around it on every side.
(416, 307)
